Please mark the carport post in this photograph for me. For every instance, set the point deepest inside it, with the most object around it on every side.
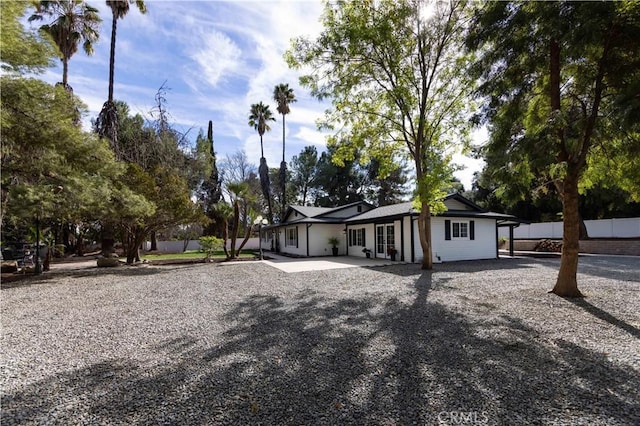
(511, 240)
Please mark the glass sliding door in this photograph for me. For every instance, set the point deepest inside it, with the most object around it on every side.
(385, 240)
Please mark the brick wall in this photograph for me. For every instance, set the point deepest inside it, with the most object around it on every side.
(613, 246)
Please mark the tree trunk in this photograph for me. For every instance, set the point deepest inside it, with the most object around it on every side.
(261, 148)
(567, 284)
(80, 245)
(134, 241)
(66, 237)
(130, 248)
(108, 239)
(424, 229)
(65, 71)
(247, 235)
(225, 237)
(46, 266)
(265, 184)
(154, 242)
(234, 230)
(112, 55)
(283, 172)
(283, 187)
(584, 234)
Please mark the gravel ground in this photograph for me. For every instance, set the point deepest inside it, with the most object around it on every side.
(467, 343)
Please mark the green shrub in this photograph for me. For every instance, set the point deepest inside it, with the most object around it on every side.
(210, 245)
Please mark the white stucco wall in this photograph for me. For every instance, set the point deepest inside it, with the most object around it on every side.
(483, 246)
(318, 240)
(301, 249)
(369, 232)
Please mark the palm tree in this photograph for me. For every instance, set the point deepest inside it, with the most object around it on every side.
(74, 21)
(284, 96)
(223, 212)
(259, 116)
(119, 9)
(107, 121)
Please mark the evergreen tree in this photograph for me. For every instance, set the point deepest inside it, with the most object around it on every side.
(562, 80)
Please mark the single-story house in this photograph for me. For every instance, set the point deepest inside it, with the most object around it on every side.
(463, 232)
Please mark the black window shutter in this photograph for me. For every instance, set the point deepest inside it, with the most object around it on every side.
(472, 231)
(296, 237)
(364, 241)
(447, 229)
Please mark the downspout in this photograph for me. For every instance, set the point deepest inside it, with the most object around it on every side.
(497, 242)
(308, 226)
(402, 239)
(346, 234)
(511, 240)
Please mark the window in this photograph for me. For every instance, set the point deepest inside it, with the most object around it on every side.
(291, 239)
(359, 209)
(357, 237)
(459, 230)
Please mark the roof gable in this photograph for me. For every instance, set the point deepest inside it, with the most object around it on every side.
(457, 205)
(348, 210)
(393, 210)
(457, 202)
(298, 213)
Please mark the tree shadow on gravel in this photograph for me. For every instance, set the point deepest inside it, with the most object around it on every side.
(360, 360)
(605, 316)
(471, 266)
(122, 271)
(621, 268)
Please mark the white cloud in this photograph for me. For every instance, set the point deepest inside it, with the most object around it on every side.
(311, 136)
(216, 57)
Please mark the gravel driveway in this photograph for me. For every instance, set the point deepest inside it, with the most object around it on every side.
(467, 343)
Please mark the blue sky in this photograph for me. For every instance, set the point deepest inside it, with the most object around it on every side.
(217, 59)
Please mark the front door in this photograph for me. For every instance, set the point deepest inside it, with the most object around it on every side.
(385, 240)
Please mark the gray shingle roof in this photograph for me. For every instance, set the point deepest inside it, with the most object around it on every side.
(318, 214)
(311, 211)
(385, 211)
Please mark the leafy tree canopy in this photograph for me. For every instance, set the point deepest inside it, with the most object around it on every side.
(50, 167)
(562, 80)
(395, 75)
(21, 50)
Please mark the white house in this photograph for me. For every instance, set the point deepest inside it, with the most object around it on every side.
(464, 232)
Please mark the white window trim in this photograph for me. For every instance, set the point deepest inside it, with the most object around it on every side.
(294, 241)
(356, 237)
(453, 237)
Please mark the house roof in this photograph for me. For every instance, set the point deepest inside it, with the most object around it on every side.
(316, 212)
(319, 214)
(394, 210)
(312, 214)
(310, 211)
(480, 215)
(457, 197)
